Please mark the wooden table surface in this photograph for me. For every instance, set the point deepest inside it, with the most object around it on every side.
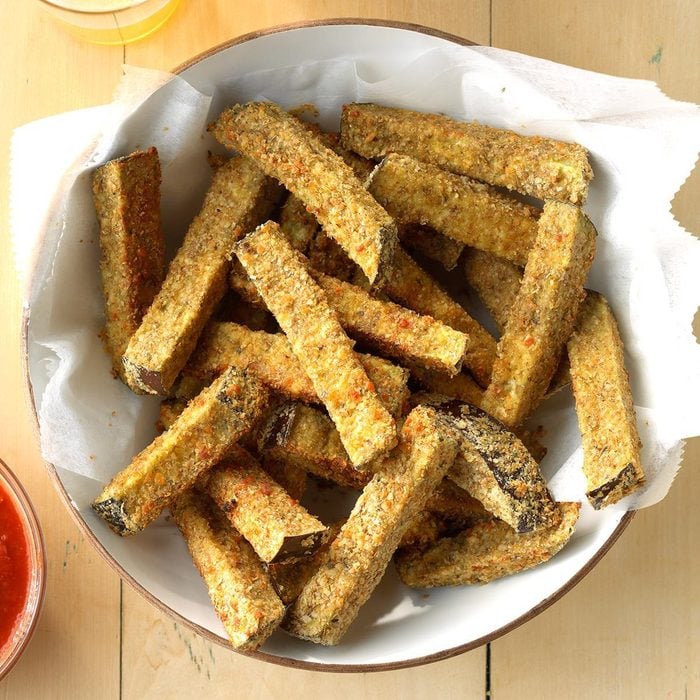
(631, 629)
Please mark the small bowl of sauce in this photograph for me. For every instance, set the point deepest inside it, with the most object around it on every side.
(22, 569)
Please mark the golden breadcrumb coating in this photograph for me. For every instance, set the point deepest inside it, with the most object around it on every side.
(240, 196)
(239, 587)
(319, 342)
(199, 438)
(543, 314)
(288, 151)
(358, 557)
(126, 194)
(604, 406)
(534, 165)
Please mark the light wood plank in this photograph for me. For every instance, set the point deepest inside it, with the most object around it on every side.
(631, 629)
(75, 649)
(651, 40)
(197, 26)
(163, 659)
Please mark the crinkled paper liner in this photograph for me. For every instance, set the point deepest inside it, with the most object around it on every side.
(643, 146)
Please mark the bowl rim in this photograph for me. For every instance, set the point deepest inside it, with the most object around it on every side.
(37, 581)
(164, 608)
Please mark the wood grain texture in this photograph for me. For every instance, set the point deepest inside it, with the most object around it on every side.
(78, 634)
(630, 630)
(163, 659)
(651, 40)
(199, 25)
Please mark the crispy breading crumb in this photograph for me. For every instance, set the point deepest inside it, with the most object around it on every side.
(319, 342)
(239, 587)
(358, 557)
(604, 406)
(543, 314)
(485, 552)
(534, 165)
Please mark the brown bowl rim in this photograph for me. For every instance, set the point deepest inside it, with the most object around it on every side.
(207, 634)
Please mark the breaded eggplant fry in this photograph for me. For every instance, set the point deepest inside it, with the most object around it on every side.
(461, 386)
(291, 478)
(326, 256)
(274, 524)
(395, 330)
(270, 358)
(243, 286)
(239, 587)
(425, 529)
(604, 406)
(297, 224)
(234, 309)
(239, 197)
(358, 557)
(495, 467)
(126, 193)
(319, 343)
(286, 150)
(533, 165)
(428, 242)
(289, 577)
(199, 438)
(467, 211)
(485, 552)
(411, 286)
(543, 315)
(497, 282)
(453, 505)
(297, 434)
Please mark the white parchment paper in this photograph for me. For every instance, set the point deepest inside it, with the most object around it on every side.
(643, 146)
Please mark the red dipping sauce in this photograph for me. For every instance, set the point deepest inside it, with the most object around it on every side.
(15, 566)
(22, 570)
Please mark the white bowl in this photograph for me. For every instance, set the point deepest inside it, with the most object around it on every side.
(398, 627)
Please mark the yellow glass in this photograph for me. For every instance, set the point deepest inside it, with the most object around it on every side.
(111, 22)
